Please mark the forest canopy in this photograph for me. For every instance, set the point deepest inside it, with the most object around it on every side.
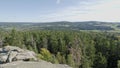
(78, 49)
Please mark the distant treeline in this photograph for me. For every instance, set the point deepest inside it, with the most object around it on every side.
(63, 25)
(75, 48)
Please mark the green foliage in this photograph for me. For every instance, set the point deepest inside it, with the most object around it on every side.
(118, 64)
(61, 58)
(70, 60)
(100, 61)
(45, 55)
(75, 48)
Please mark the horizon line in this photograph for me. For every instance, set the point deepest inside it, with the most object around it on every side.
(55, 21)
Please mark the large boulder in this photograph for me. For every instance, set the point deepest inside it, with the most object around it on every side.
(26, 55)
(10, 53)
(11, 56)
(12, 48)
(3, 57)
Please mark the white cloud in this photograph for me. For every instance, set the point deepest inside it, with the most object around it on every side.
(96, 10)
(86, 10)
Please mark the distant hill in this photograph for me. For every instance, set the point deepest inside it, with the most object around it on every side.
(62, 25)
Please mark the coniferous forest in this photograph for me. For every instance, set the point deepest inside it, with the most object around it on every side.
(59, 33)
(79, 49)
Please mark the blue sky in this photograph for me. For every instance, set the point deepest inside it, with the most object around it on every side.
(59, 10)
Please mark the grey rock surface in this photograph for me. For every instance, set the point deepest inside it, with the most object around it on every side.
(3, 57)
(9, 53)
(41, 64)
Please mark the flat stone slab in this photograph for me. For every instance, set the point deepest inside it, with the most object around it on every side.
(40, 64)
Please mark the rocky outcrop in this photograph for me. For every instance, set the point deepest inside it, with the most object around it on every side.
(40, 64)
(12, 53)
(3, 57)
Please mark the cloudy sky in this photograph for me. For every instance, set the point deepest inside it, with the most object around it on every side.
(59, 10)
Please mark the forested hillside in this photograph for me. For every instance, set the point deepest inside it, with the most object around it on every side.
(78, 49)
(62, 25)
